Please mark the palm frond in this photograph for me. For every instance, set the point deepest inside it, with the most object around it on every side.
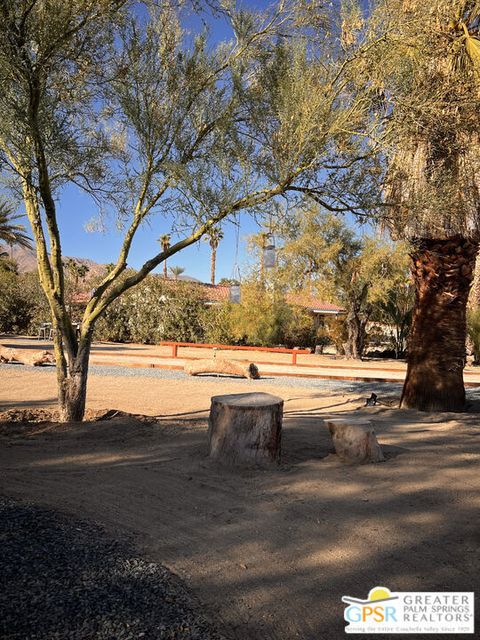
(10, 231)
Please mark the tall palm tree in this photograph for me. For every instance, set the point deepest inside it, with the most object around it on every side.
(11, 232)
(427, 72)
(165, 244)
(176, 272)
(77, 271)
(214, 236)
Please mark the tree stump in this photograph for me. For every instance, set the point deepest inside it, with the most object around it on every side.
(221, 366)
(246, 428)
(354, 440)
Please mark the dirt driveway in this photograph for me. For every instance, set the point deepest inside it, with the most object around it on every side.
(270, 553)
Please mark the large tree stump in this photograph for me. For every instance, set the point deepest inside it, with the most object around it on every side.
(246, 428)
(34, 358)
(354, 440)
(226, 367)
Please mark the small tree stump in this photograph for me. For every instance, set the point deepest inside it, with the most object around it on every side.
(354, 440)
(226, 367)
(246, 428)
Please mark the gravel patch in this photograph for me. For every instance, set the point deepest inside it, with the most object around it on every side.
(343, 386)
(67, 579)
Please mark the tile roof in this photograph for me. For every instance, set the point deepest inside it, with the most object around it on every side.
(310, 302)
(221, 293)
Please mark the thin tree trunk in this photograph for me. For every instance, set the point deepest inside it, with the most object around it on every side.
(72, 391)
(212, 266)
(442, 272)
(355, 344)
(356, 321)
(165, 272)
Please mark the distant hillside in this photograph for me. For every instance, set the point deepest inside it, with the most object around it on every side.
(26, 260)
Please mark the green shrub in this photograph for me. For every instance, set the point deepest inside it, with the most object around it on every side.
(14, 304)
(473, 331)
(216, 321)
(153, 311)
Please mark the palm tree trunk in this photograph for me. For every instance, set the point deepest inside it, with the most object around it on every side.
(442, 272)
(213, 260)
(165, 272)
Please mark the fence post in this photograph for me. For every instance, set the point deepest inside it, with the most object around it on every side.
(174, 350)
(294, 357)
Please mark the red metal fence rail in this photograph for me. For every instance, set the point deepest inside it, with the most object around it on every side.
(227, 347)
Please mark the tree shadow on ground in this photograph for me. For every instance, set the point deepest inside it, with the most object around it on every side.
(272, 551)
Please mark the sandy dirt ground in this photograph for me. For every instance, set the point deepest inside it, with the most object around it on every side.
(143, 352)
(269, 552)
(28, 388)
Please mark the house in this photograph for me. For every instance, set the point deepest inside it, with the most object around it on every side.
(215, 294)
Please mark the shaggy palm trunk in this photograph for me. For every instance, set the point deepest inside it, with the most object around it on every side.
(442, 272)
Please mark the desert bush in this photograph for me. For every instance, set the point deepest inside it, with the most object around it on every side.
(156, 310)
(216, 321)
(299, 328)
(260, 318)
(14, 304)
(333, 331)
(473, 332)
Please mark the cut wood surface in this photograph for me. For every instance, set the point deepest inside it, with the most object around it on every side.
(354, 440)
(246, 428)
(35, 358)
(222, 366)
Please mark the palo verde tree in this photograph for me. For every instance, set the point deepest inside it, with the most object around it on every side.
(116, 98)
(322, 255)
(424, 73)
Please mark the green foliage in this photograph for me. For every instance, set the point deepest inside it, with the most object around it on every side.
(23, 305)
(154, 311)
(259, 318)
(14, 304)
(216, 321)
(473, 331)
(264, 319)
(396, 310)
(299, 328)
(333, 331)
(323, 256)
(10, 231)
(422, 70)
